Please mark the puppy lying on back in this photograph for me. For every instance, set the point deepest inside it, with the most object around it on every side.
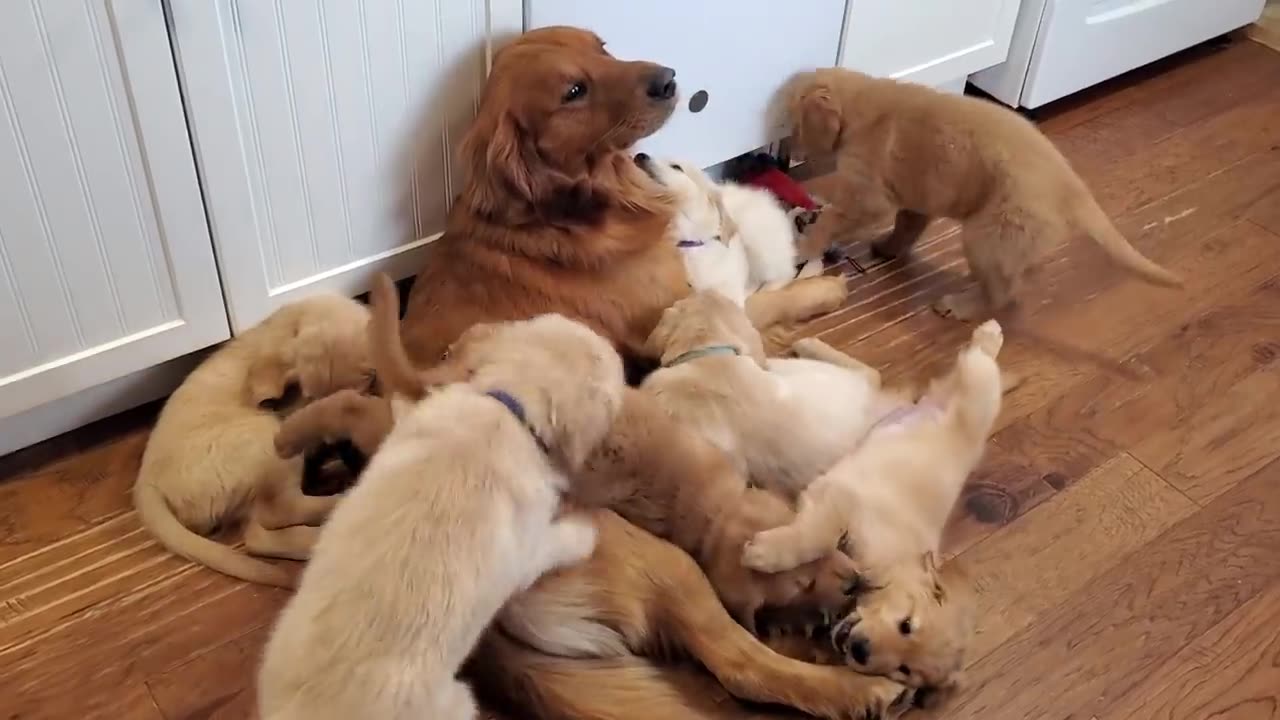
(734, 239)
(890, 499)
(455, 513)
(907, 149)
(210, 463)
(782, 421)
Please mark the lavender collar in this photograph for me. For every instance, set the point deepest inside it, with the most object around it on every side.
(516, 408)
(904, 414)
(693, 243)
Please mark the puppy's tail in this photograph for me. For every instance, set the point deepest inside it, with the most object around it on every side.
(159, 519)
(395, 370)
(619, 688)
(977, 389)
(1095, 223)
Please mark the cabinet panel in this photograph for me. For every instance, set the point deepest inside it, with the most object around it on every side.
(325, 131)
(106, 265)
(738, 53)
(927, 41)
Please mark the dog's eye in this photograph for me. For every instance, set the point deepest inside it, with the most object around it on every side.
(676, 167)
(904, 669)
(904, 627)
(576, 91)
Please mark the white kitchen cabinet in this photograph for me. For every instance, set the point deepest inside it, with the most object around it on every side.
(106, 264)
(1062, 46)
(738, 53)
(932, 42)
(325, 133)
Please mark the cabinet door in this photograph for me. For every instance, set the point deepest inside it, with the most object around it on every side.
(106, 266)
(325, 132)
(932, 42)
(737, 54)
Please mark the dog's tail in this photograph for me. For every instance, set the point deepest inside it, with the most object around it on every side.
(1095, 223)
(390, 361)
(977, 389)
(159, 519)
(618, 688)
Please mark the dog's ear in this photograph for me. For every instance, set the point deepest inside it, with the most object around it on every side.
(817, 121)
(268, 378)
(656, 344)
(499, 169)
(936, 585)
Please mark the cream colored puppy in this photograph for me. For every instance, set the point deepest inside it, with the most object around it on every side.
(782, 421)
(455, 512)
(211, 449)
(734, 239)
(890, 500)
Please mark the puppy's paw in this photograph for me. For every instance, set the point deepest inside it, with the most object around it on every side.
(988, 337)
(810, 348)
(880, 699)
(573, 540)
(769, 552)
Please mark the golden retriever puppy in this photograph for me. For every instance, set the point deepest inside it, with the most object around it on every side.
(890, 499)
(783, 421)
(210, 462)
(922, 154)
(457, 511)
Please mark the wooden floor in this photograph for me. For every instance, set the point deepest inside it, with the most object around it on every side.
(1124, 529)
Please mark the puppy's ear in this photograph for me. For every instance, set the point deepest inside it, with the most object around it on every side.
(728, 228)
(268, 378)
(817, 121)
(936, 584)
(580, 419)
(656, 344)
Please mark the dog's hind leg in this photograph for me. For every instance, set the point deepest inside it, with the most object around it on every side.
(288, 543)
(815, 349)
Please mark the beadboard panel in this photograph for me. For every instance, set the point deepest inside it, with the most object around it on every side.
(325, 132)
(106, 265)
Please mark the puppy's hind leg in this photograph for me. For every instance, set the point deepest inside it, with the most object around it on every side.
(998, 265)
(815, 349)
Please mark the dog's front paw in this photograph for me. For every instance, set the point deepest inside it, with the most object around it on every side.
(988, 337)
(881, 699)
(809, 348)
(769, 552)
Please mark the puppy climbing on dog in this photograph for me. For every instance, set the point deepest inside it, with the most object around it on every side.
(922, 154)
(890, 500)
(459, 509)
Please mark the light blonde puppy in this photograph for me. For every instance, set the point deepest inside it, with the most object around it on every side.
(913, 154)
(782, 421)
(456, 512)
(890, 500)
(734, 239)
(210, 458)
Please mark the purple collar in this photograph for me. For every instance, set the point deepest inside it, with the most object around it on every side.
(904, 414)
(692, 243)
(517, 409)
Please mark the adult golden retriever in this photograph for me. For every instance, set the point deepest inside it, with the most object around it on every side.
(555, 216)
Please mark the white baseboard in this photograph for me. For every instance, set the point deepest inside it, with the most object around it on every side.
(74, 411)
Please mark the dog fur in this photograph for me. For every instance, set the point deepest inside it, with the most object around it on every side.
(736, 239)
(922, 154)
(209, 462)
(891, 499)
(783, 422)
(464, 493)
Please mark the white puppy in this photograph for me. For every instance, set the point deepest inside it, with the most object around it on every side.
(456, 512)
(735, 239)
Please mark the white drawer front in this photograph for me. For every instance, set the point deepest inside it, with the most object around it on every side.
(739, 53)
(1083, 42)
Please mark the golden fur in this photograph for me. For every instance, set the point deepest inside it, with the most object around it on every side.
(891, 499)
(922, 154)
(210, 463)
(456, 512)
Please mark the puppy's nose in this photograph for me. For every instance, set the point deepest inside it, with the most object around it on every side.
(860, 650)
(662, 84)
(642, 159)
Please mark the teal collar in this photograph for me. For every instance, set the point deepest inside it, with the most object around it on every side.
(701, 353)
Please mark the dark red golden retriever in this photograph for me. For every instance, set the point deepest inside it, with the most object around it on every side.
(556, 217)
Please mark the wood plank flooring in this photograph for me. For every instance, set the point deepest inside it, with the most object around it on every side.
(1124, 530)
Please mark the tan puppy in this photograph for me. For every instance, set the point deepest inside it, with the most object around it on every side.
(456, 512)
(782, 421)
(922, 154)
(210, 455)
(891, 499)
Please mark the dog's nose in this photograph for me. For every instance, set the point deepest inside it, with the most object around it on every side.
(642, 159)
(662, 84)
(860, 650)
